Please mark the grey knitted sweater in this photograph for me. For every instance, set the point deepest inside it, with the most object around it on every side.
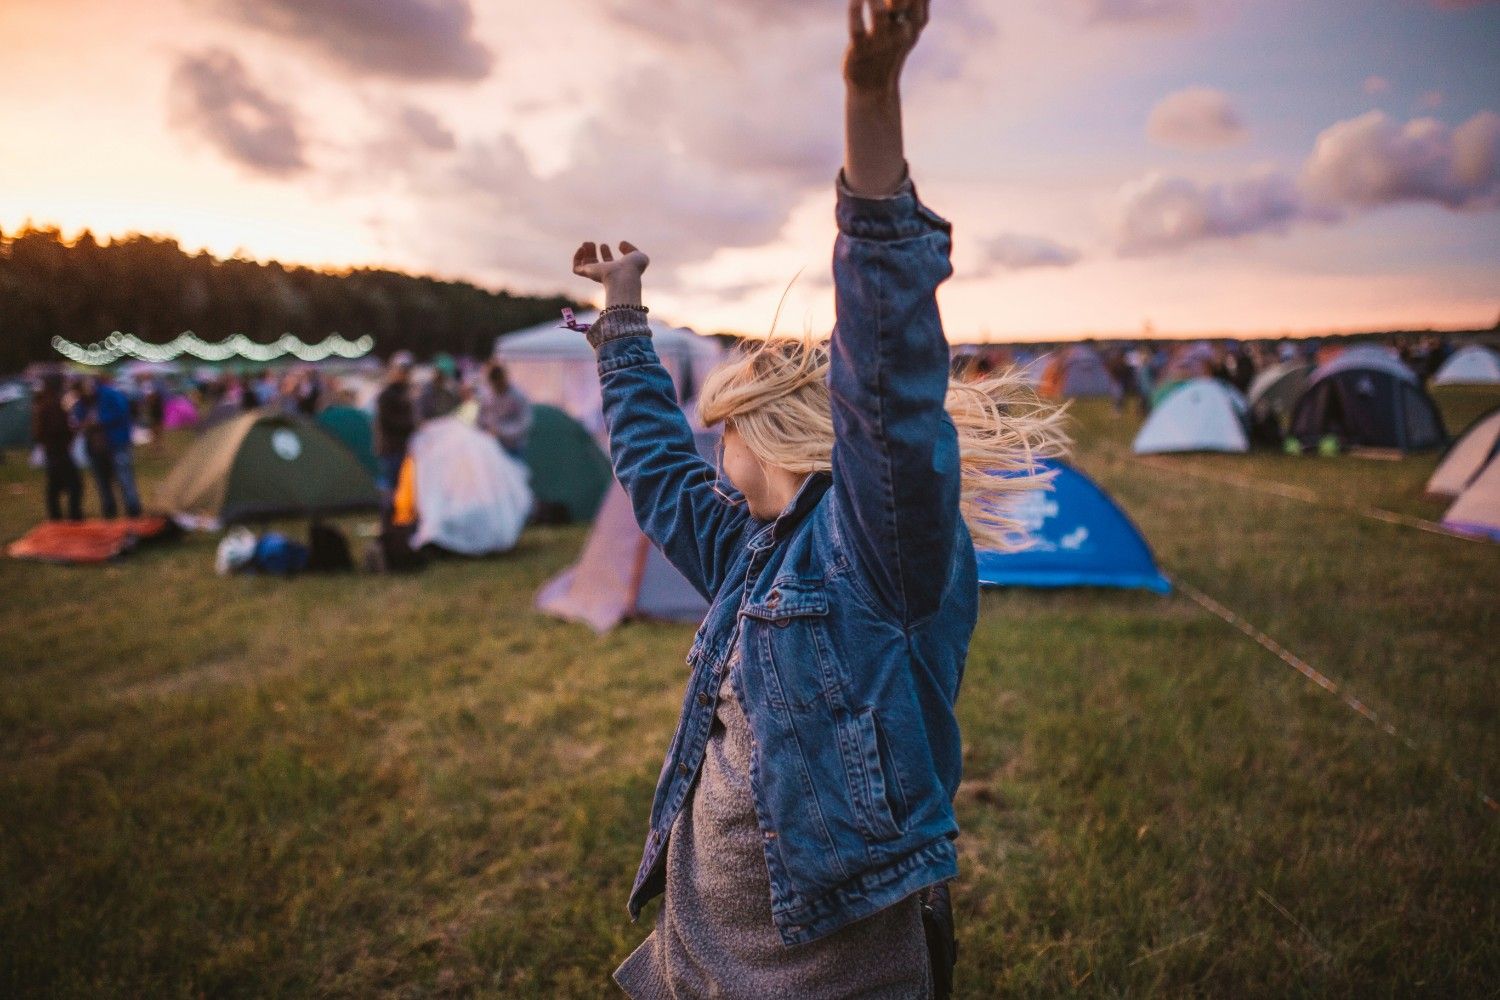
(714, 936)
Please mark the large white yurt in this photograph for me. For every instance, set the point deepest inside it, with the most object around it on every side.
(554, 365)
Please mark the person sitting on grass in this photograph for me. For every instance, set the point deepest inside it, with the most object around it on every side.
(803, 825)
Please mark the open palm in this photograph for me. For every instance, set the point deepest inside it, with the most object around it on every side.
(597, 262)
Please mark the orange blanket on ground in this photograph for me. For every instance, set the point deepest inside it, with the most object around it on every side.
(85, 541)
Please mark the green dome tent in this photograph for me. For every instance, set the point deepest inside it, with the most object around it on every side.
(15, 416)
(1273, 397)
(354, 427)
(264, 465)
(569, 473)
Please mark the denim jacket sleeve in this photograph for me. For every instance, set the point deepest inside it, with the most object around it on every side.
(895, 454)
(671, 487)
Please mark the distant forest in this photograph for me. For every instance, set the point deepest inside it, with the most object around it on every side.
(84, 290)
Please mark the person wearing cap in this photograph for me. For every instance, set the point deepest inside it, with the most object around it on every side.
(439, 397)
(395, 420)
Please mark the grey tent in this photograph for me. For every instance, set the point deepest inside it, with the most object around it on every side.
(1076, 372)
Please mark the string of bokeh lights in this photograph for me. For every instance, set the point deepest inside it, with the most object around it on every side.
(120, 345)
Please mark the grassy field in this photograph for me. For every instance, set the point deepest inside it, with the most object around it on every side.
(417, 786)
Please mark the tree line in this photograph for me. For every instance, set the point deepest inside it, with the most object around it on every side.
(83, 290)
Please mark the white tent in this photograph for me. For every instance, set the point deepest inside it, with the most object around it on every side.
(1472, 365)
(472, 498)
(554, 365)
(1477, 509)
(1203, 415)
(1467, 457)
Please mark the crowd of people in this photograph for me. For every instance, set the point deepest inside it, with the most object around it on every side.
(91, 424)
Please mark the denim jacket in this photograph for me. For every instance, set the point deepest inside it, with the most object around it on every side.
(853, 609)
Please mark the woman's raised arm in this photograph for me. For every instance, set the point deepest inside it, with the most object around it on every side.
(895, 456)
(882, 33)
(671, 488)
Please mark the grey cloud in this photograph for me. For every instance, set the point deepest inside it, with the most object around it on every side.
(1372, 160)
(411, 39)
(213, 97)
(1105, 11)
(1018, 252)
(499, 212)
(1196, 118)
(1161, 213)
(1357, 165)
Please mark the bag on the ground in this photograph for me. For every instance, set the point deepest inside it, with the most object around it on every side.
(236, 551)
(328, 550)
(392, 552)
(277, 554)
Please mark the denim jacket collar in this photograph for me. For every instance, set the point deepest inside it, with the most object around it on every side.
(808, 495)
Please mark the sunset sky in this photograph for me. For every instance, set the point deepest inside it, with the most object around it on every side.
(1251, 166)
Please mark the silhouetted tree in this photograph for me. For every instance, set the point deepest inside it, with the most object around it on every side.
(148, 286)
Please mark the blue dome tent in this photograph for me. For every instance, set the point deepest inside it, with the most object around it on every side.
(1082, 540)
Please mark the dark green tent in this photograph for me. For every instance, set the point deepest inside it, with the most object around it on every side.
(264, 465)
(569, 473)
(1273, 396)
(15, 417)
(354, 427)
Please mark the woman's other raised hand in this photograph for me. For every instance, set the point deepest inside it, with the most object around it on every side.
(882, 33)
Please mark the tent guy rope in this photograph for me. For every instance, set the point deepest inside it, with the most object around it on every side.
(1308, 496)
(1322, 680)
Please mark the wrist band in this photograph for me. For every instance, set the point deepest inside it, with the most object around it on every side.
(622, 308)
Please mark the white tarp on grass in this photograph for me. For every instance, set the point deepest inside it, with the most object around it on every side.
(472, 498)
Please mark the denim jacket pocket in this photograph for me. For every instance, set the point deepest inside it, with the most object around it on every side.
(789, 628)
(874, 788)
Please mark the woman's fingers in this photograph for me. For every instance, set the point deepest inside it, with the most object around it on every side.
(587, 254)
(857, 19)
(606, 254)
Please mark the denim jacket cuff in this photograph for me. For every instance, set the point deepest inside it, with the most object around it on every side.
(624, 351)
(898, 216)
(618, 326)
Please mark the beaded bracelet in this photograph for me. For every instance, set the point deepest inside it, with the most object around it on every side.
(622, 308)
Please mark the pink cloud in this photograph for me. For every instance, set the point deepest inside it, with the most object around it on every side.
(1197, 118)
(1018, 252)
(1372, 160)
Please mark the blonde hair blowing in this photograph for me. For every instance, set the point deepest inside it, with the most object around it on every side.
(776, 396)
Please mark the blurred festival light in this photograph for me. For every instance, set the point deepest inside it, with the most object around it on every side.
(119, 345)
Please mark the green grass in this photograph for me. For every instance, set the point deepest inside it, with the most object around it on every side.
(418, 786)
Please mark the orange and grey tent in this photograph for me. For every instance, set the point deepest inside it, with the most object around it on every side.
(620, 574)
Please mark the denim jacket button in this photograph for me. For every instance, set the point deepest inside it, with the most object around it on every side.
(702, 698)
(774, 599)
(782, 623)
(683, 769)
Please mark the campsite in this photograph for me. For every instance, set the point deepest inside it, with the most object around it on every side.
(416, 785)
